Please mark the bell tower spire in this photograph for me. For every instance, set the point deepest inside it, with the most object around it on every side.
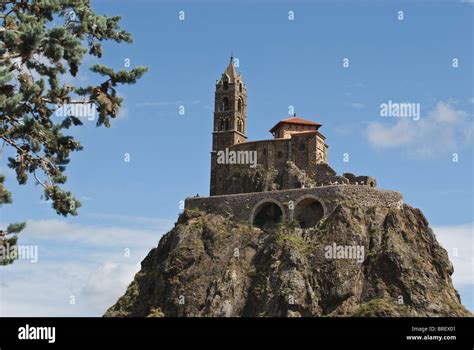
(230, 117)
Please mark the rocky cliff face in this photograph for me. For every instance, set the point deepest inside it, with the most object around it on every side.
(355, 262)
(262, 178)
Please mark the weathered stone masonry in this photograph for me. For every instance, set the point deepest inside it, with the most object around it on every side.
(297, 156)
(291, 179)
(244, 207)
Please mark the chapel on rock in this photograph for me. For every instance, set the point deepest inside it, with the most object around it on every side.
(296, 157)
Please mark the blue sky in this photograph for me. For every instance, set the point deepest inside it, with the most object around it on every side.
(129, 205)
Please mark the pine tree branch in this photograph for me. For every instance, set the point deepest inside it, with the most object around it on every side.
(42, 161)
(27, 29)
(71, 102)
(7, 57)
(12, 143)
(38, 180)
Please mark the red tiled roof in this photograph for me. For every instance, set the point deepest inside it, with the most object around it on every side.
(295, 120)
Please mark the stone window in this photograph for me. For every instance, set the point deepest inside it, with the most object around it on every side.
(241, 88)
(239, 125)
(225, 104)
(225, 85)
(223, 124)
(239, 105)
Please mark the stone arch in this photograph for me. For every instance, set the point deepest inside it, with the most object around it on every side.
(240, 104)
(225, 104)
(267, 211)
(309, 210)
(240, 125)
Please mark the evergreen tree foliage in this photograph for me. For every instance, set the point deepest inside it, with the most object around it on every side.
(42, 42)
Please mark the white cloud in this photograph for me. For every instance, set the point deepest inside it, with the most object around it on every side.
(88, 262)
(442, 129)
(102, 288)
(387, 137)
(150, 223)
(459, 242)
(46, 288)
(62, 230)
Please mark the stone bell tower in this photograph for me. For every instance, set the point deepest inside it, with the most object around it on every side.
(230, 124)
